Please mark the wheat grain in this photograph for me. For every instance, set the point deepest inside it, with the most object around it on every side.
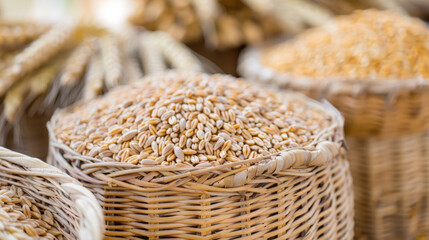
(158, 119)
(367, 44)
(21, 219)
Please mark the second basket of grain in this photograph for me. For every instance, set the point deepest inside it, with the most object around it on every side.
(195, 156)
(38, 201)
(374, 67)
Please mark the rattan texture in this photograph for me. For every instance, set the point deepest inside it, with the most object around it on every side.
(391, 186)
(386, 124)
(74, 207)
(370, 107)
(300, 194)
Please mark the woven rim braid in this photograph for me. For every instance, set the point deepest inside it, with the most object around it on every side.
(301, 193)
(72, 205)
(370, 107)
(391, 186)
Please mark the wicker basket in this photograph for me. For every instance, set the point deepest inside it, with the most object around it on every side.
(391, 186)
(75, 209)
(302, 193)
(385, 122)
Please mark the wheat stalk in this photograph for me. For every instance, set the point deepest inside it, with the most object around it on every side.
(77, 62)
(391, 5)
(29, 88)
(219, 21)
(94, 78)
(14, 99)
(150, 54)
(176, 53)
(207, 12)
(111, 58)
(310, 13)
(6, 59)
(132, 70)
(13, 35)
(40, 51)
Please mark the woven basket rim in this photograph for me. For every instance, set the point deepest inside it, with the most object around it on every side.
(92, 223)
(319, 153)
(250, 66)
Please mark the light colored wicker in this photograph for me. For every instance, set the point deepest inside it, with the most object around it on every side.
(386, 124)
(304, 193)
(391, 186)
(74, 207)
(370, 107)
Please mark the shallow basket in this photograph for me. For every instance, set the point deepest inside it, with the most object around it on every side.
(370, 107)
(386, 125)
(75, 209)
(302, 193)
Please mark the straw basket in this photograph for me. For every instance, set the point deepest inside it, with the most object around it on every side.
(301, 193)
(386, 124)
(391, 186)
(75, 209)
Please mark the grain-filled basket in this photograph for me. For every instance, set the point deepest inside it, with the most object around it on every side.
(377, 75)
(196, 156)
(38, 201)
(374, 67)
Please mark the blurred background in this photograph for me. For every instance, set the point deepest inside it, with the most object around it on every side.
(44, 66)
(212, 28)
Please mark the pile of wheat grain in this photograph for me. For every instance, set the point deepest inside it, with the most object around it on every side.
(189, 119)
(22, 219)
(367, 44)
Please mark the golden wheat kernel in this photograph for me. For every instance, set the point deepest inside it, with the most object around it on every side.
(218, 121)
(368, 44)
(20, 218)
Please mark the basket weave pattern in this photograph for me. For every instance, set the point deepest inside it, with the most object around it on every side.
(391, 187)
(301, 193)
(387, 128)
(76, 210)
(375, 114)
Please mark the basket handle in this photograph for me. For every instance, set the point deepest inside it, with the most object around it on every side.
(325, 152)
